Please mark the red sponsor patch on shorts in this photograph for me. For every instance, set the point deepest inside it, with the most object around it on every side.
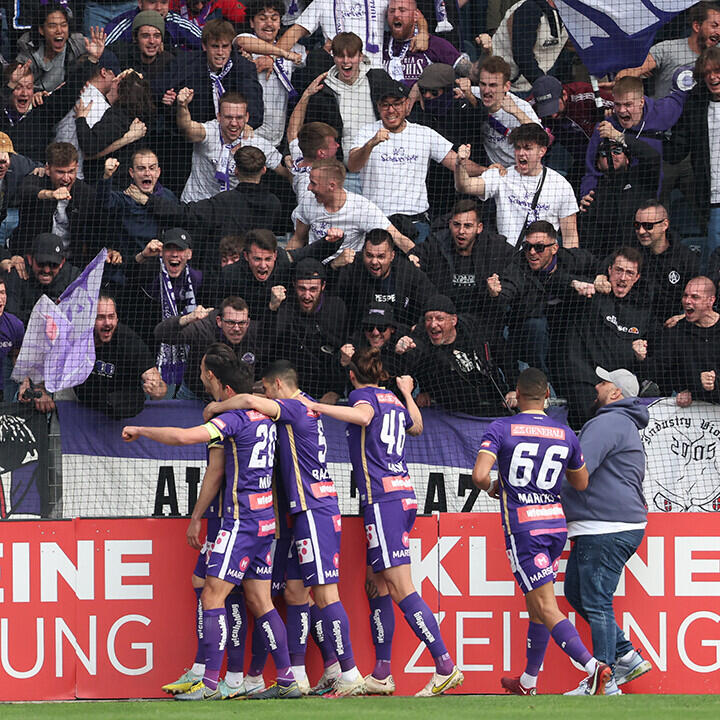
(409, 503)
(392, 483)
(541, 560)
(266, 527)
(260, 501)
(532, 513)
(336, 560)
(244, 563)
(324, 488)
(542, 431)
(337, 522)
(406, 539)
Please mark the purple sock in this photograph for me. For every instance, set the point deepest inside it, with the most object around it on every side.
(566, 636)
(423, 624)
(538, 637)
(200, 654)
(336, 628)
(237, 620)
(275, 635)
(298, 627)
(214, 640)
(318, 636)
(382, 628)
(259, 652)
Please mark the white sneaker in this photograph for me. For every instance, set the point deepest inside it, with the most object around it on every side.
(581, 689)
(304, 686)
(348, 688)
(611, 687)
(440, 684)
(630, 669)
(379, 687)
(327, 680)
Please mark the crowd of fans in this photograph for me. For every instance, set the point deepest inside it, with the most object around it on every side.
(298, 180)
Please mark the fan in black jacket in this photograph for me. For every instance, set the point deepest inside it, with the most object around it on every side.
(459, 258)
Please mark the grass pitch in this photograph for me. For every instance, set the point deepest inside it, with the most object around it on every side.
(458, 707)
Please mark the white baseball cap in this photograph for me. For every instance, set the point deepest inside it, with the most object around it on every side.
(623, 379)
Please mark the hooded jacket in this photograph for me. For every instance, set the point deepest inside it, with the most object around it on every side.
(657, 118)
(615, 460)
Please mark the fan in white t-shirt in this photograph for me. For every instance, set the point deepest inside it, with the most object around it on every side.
(313, 141)
(393, 155)
(329, 205)
(515, 190)
(274, 65)
(505, 110)
(213, 159)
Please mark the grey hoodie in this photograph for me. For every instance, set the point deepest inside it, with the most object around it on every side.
(615, 459)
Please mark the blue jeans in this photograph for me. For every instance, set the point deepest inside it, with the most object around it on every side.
(591, 578)
(99, 15)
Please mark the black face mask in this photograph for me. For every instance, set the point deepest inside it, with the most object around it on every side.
(439, 105)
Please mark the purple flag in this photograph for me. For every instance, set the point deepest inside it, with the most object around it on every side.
(59, 348)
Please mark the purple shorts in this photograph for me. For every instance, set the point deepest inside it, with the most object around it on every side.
(387, 531)
(243, 549)
(534, 558)
(213, 526)
(315, 552)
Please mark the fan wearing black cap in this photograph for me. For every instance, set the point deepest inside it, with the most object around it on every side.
(382, 275)
(630, 174)
(47, 273)
(451, 360)
(308, 328)
(160, 284)
(378, 329)
(393, 153)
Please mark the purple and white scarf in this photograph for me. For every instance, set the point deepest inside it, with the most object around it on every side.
(171, 359)
(371, 24)
(218, 89)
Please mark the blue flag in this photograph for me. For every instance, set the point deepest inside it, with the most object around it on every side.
(59, 347)
(610, 35)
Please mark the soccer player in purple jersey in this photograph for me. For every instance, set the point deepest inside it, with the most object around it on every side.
(532, 452)
(377, 424)
(312, 502)
(232, 685)
(242, 551)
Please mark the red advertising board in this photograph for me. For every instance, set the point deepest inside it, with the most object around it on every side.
(104, 609)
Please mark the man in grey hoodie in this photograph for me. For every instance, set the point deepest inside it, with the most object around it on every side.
(606, 522)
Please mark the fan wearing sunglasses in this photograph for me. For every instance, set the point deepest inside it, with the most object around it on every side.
(536, 286)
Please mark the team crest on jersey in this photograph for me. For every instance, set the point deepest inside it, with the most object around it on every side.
(248, 358)
(304, 551)
(221, 542)
(371, 536)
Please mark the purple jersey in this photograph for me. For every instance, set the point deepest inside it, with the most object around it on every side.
(11, 336)
(377, 452)
(407, 66)
(249, 440)
(215, 508)
(532, 452)
(302, 449)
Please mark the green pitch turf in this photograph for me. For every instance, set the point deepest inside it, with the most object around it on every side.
(633, 707)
